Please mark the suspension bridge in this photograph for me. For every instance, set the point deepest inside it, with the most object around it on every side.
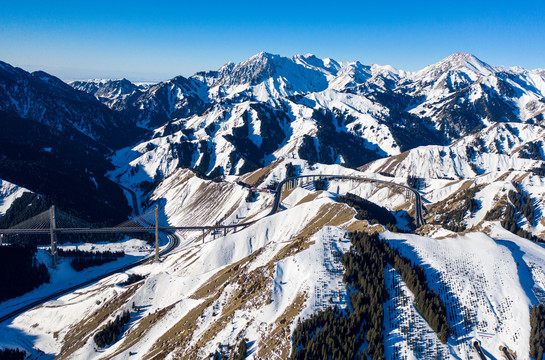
(54, 221)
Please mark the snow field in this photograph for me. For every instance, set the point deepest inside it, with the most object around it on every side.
(478, 279)
(408, 335)
(8, 194)
(35, 327)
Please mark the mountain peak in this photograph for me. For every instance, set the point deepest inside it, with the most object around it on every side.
(457, 56)
(461, 60)
(262, 56)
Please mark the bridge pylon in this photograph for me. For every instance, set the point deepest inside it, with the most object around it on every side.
(53, 234)
(156, 233)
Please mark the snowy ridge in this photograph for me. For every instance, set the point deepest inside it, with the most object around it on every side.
(498, 147)
(8, 194)
(493, 298)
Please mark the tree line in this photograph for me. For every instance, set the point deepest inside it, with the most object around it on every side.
(20, 271)
(111, 333)
(521, 203)
(367, 210)
(82, 253)
(12, 354)
(133, 278)
(537, 332)
(85, 259)
(335, 333)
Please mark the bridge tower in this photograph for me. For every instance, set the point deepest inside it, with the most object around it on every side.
(53, 234)
(156, 233)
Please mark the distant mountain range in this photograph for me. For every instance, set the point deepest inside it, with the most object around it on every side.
(244, 116)
(469, 137)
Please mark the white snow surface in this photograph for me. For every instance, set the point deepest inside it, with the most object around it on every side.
(489, 282)
(476, 274)
(8, 194)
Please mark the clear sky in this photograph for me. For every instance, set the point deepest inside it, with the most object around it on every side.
(157, 40)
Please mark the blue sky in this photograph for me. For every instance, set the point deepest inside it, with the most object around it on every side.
(149, 41)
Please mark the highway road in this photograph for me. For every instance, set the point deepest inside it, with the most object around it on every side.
(479, 350)
(173, 243)
(134, 200)
(174, 240)
(418, 198)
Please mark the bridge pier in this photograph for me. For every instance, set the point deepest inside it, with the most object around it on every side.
(156, 233)
(53, 234)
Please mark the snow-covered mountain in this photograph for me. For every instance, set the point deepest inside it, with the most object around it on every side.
(375, 111)
(469, 136)
(257, 284)
(45, 99)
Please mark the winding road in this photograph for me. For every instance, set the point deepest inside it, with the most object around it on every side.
(418, 198)
(174, 240)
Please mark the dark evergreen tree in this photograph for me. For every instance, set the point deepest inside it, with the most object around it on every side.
(12, 354)
(242, 350)
(367, 210)
(113, 330)
(537, 331)
(20, 272)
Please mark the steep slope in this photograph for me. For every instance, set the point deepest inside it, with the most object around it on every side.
(8, 194)
(47, 100)
(498, 147)
(325, 111)
(54, 141)
(254, 285)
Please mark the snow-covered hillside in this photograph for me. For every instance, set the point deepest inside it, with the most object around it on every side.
(8, 194)
(256, 284)
(489, 300)
(499, 147)
(468, 136)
